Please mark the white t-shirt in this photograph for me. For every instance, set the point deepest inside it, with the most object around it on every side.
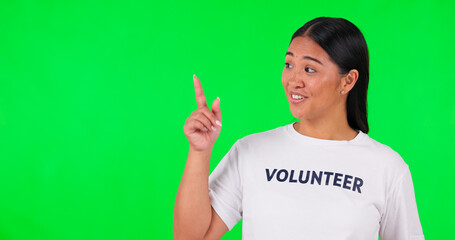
(285, 185)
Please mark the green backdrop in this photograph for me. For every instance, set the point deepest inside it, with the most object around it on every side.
(94, 95)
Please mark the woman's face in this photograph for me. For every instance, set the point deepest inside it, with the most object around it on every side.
(311, 80)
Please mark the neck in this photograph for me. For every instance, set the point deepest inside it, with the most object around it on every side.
(332, 126)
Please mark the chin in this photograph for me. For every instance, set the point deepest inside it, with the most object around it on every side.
(298, 114)
(304, 111)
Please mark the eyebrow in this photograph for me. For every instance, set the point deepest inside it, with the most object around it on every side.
(305, 57)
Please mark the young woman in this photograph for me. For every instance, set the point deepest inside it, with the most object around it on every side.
(320, 178)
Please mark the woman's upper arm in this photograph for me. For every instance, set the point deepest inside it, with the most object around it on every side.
(401, 218)
(217, 227)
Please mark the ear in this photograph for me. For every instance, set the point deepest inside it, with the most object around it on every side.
(349, 80)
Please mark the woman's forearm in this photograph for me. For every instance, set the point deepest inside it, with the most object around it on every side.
(192, 211)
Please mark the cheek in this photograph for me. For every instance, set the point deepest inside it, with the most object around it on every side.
(284, 78)
(324, 90)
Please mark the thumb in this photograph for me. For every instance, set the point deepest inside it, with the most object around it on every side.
(216, 108)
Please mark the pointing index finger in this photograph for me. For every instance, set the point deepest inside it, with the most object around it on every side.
(200, 97)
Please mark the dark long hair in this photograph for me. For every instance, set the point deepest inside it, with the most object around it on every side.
(346, 46)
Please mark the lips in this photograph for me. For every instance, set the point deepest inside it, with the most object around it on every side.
(296, 93)
(295, 97)
(292, 100)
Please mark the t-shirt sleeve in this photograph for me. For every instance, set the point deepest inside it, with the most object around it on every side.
(225, 188)
(401, 219)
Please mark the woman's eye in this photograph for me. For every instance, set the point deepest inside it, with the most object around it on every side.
(310, 70)
(307, 69)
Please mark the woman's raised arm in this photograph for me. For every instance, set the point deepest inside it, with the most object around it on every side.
(193, 214)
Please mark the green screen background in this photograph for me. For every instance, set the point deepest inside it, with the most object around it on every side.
(94, 95)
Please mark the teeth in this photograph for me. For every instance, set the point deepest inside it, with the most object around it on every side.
(296, 96)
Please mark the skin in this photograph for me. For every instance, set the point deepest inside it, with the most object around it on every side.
(323, 114)
(194, 217)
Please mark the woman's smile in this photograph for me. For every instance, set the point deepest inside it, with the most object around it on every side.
(296, 98)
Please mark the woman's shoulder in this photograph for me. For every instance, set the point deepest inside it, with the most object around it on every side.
(274, 134)
(385, 154)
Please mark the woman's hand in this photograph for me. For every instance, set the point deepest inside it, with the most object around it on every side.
(203, 126)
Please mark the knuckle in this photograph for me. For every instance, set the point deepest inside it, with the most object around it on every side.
(213, 118)
(200, 111)
(194, 112)
(209, 114)
(206, 123)
(199, 116)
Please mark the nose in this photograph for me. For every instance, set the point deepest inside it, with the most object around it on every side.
(297, 81)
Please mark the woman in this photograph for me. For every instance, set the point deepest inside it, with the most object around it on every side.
(320, 178)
